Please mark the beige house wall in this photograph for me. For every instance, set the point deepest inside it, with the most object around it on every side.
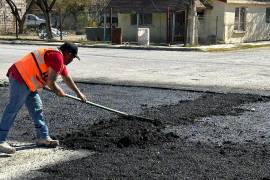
(212, 23)
(7, 20)
(217, 23)
(256, 27)
(129, 32)
(157, 29)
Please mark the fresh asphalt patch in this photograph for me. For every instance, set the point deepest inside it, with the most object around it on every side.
(203, 135)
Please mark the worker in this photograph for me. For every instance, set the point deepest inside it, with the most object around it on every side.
(34, 71)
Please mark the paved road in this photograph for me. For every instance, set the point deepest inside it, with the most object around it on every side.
(245, 70)
(239, 71)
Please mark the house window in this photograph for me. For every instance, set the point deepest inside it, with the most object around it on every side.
(267, 15)
(200, 15)
(240, 19)
(133, 19)
(144, 19)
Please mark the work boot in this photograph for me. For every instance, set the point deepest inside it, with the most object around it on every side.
(48, 142)
(6, 148)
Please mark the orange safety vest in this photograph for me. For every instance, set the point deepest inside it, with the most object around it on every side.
(33, 69)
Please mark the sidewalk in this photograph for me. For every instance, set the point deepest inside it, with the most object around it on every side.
(180, 47)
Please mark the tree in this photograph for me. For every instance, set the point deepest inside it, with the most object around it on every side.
(76, 8)
(96, 9)
(1, 3)
(16, 13)
(193, 24)
(46, 7)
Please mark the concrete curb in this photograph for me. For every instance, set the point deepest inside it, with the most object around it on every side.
(203, 48)
(135, 47)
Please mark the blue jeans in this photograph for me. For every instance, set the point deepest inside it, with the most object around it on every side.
(19, 94)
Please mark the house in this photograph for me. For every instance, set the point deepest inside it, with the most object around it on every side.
(208, 21)
(7, 20)
(236, 21)
(166, 20)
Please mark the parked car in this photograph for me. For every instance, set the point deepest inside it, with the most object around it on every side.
(55, 33)
(34, 21)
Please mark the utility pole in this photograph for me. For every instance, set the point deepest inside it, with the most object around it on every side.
(104, 23)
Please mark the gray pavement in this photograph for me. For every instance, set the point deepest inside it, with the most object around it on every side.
(233, 71)
(245, 71)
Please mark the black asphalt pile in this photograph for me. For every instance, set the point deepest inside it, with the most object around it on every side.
(211, 135)
(120, 132)
(209, 104)
(117, 133)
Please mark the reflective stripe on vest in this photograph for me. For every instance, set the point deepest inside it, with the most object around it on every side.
(35, 82)
(33, 69)
(38, 57)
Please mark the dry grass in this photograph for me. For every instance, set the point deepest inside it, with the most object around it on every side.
(239, 47)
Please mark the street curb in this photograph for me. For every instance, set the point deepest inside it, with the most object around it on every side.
(209, 48)
(15, 42)
(147, 48)
(135, 47)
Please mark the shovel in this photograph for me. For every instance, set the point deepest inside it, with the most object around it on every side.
(124, 114)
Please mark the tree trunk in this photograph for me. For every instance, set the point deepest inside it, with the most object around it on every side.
(74, 14)
(16, 14)
(20, 25)
(48, 25)
(193, 31)
(46, 9)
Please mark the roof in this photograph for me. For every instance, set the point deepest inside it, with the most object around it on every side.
(151, 5)
(202, 4)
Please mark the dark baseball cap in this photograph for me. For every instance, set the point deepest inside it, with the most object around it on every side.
(70, 47)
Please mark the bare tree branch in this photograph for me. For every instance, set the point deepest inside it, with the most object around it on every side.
(51, 5)
(16, 14)
(46, 9)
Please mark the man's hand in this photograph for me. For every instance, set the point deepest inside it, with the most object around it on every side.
(82, 97)
(69, 81)
(60, 92)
